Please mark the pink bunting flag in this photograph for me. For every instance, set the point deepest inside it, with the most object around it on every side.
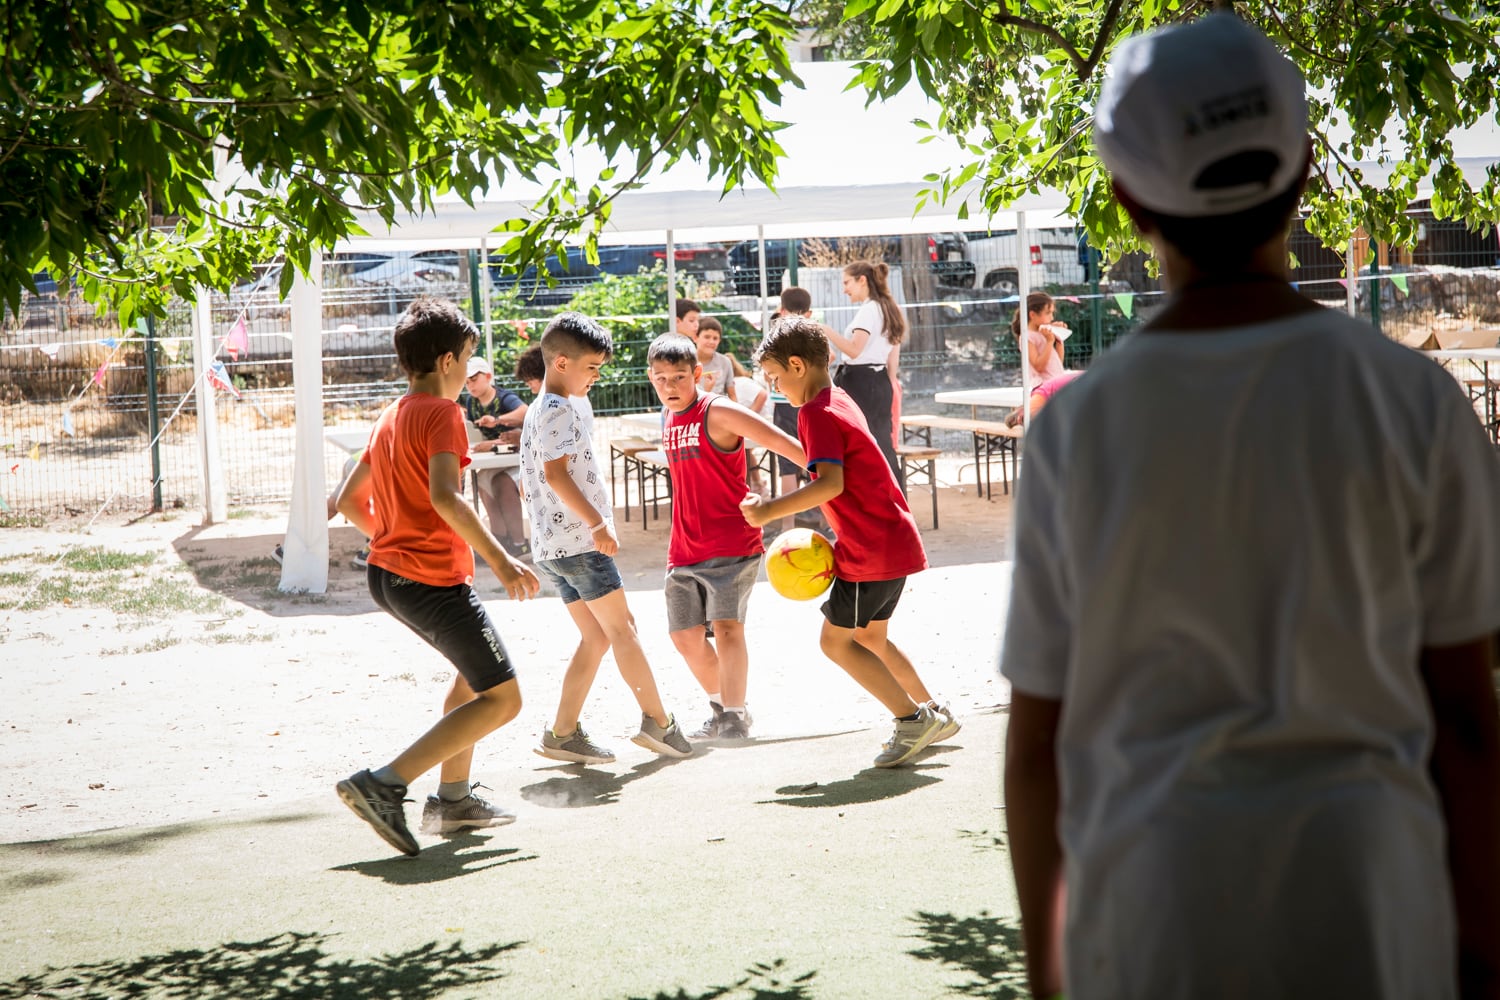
(237, 340)
(522, 328)
(218, 377)
(98, 378)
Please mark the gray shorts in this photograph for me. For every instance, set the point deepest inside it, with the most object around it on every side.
(714, 590)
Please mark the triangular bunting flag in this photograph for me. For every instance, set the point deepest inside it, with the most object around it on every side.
(50, 350)
(67, 425)
(218, 377)
(237, 340)
(35, 452)
(522, 328)
(1126, 302)
(1344, 282)
(110, 343)
(98, 378)
(1399, 280)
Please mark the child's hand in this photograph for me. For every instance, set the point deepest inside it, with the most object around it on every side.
(605, 540)
(753, 509)
(520, 580)
(486, 421)
(709, 378)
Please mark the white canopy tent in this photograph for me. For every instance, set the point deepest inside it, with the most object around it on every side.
(848, 170)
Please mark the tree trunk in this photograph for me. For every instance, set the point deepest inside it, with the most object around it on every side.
(924, 335)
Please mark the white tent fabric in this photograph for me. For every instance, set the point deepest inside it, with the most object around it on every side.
(304, 560)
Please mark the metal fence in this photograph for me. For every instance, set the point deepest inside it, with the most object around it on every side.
(93, 419)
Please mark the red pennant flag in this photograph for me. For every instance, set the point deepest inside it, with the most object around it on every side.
(218, 377)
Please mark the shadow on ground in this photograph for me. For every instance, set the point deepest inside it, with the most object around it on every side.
(984, 948)
(221, 566)
(762, 981)
(289, 965)
(457, 855)
(870, 785)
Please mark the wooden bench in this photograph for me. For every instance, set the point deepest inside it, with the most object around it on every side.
(920, 459)
(991, 438)
(645, 462)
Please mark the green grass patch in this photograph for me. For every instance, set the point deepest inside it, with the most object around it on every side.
(98, 559)
(135, 597)
(245, 638)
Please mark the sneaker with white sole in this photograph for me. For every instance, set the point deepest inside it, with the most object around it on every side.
(380, 805)
(734, 726)
(710, 729)
(910, 738)
(951, 725)
(667, 741)
(361, 559)
(440, 815)
(575, 748)
(278, 554)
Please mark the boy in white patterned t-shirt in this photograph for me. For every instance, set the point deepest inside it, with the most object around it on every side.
(573, 543)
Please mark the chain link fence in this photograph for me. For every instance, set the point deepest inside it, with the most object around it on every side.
(94, 420)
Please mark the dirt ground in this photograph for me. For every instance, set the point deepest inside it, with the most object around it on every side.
(195, 688)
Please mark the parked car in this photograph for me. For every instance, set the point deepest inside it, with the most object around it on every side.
(947, 254)
(1053, 259)
(704, 261)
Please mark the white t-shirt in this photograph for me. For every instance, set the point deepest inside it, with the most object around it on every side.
(1230, 548)
(746, 390)
(877, 349)
(555, 426)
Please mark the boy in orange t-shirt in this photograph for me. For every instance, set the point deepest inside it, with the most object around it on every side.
(423, 536)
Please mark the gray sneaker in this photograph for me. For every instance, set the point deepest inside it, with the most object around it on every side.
(734, 726)
(668, 742)
(710, 729)
(441, 816)
(910, 738)
(575, 748)
(380, 806)
(951, 725)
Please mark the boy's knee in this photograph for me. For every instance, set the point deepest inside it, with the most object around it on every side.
(834, 639)
(731, 630)
(503, 702)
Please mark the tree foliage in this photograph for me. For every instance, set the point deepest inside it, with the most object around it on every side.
(113, 112)
(1017, 84)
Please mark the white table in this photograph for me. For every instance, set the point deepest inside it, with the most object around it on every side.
(1479, 360)
(1006, 396)
(646, 425)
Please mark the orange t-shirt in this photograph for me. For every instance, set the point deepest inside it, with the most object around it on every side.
(411, 539)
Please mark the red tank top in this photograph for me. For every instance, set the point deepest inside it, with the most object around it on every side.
(707, 487)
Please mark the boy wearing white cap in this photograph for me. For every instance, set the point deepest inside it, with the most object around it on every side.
(498, 413)
(1253, 744)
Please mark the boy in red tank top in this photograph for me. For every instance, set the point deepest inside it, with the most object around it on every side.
(713, 554)
(878, 545)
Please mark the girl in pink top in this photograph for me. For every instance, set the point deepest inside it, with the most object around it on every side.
(1044, 348)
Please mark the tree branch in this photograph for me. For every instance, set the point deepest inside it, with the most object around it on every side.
(1101, 41)
(1047, 31)
(1297, 43)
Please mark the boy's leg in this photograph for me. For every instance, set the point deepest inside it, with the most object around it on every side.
(874, 638)
(454, 735)
(583, 667)
(867, 669)
(614, 618)
(701, 657)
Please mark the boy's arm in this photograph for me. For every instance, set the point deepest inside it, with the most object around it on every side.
(443, 478)
(515, 417)
(726, 424)
(1031, 811)
(572, 497)
(1465, 767)
(829, 484)
(353, 499)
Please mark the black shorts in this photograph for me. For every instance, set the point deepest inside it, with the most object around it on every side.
(452, 620)
(785, 418)
(855, 605)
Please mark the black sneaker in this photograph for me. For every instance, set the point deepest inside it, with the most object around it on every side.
(734, 726)
(277, 554)
(381, 806)
(710, 729)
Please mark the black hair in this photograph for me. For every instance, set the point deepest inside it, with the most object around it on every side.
(529, 364)
(685, 306)
(794, 337)
(795, 300)
(573, 334)
(429, 329)
(673, 349)
(1222, 244)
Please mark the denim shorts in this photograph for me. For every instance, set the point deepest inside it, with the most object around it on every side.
(586, 576)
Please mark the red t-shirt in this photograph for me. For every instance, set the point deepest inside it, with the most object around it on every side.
(411, 539)
(707, 487)
(877, 536)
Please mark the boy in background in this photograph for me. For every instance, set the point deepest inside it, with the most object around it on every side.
(573, 540)
(718, 370)
(878, 545)
(498, 414)
(713, 555)
(423, 536)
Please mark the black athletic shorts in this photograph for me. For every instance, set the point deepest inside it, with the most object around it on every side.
(855, 605)
(452, 620)
(785, 418)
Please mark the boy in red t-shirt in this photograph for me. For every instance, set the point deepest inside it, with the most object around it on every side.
(878, 545)
(423, 536)
(713, 555)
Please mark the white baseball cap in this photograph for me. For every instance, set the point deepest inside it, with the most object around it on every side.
(1202, 119)
(477, 365)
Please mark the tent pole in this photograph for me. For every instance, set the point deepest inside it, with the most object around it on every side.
(1023, 291)
(671, 283)
(765, 314)
(484, 284)
(215, 508)
(304, 563)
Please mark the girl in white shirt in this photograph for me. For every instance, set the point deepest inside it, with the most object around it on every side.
(869, 344)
